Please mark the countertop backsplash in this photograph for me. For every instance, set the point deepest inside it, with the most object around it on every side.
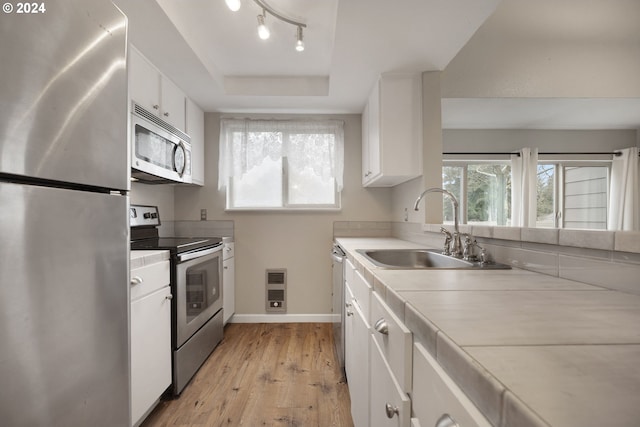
(212, 228)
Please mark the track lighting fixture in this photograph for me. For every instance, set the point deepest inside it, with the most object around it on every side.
(263, 30)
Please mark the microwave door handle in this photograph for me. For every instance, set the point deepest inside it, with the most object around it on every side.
(198, 254)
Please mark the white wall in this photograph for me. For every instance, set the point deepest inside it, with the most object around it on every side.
(509, 140)
(577, 55)
(297, 241)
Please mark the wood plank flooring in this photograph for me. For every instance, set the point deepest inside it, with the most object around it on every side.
(266, 374)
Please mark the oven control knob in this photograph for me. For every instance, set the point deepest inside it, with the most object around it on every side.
(276, 304)
(147, 215)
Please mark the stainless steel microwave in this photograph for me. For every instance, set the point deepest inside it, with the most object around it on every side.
(160, 153)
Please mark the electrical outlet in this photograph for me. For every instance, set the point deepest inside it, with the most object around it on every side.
(406, 214)
(203, 214)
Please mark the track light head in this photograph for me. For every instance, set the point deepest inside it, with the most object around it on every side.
(299, 42)
(263, 31)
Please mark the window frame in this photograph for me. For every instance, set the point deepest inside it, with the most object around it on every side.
(560, 184)
(285, 177)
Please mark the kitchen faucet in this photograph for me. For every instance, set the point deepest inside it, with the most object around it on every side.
(457, 244)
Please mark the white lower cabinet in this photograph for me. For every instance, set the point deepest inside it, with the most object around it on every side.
(357, 360)
(384, 367)
(390, 405)
(150, 337)
(437, 400)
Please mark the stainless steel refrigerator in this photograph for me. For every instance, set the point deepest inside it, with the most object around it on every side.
(64, 256)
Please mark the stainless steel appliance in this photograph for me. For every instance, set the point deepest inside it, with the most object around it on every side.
(337, 258)
(196, 283)
(64, 181)
(160, 153)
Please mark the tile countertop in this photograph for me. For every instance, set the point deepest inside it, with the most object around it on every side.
(141, 258)
(528, 349)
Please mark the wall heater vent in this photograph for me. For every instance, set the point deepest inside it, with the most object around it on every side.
(276, 292)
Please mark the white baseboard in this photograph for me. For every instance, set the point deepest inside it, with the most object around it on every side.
(281, 318)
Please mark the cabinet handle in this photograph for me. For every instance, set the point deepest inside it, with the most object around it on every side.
(136, 280)
(446, 421)
(169, 297)
(348, 304)
(228, 249)
(166, 114)
(349, 313)
(156, 106)
(391, 410)
(382, 327)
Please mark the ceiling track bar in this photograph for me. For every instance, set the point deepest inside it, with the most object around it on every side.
(614, 153)
(269, 9)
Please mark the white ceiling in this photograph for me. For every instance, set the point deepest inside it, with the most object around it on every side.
(348, 44)
(216, 57)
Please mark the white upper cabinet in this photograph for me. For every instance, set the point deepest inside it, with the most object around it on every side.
(392, 131)
(172, 104)
(195, 129)
(154, 91)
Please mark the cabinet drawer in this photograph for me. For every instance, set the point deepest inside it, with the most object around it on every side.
(394, 340)
(436, 395)
(228, 250)
(149, 278)
(390, 406)
(362, 293)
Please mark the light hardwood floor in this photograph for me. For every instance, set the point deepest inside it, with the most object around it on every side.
(267, 374)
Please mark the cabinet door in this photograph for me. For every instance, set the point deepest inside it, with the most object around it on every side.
(394, 130)
(228, 288)
(172, 104)
(144, 82)
(195, 129)
(390, 406)
(150, 350)
(435, 395)
(357, 366)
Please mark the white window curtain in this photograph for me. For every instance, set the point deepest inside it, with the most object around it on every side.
(246, 142)
(624, 195)
(524, 170)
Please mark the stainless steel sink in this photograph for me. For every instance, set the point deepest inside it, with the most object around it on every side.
(411, 259)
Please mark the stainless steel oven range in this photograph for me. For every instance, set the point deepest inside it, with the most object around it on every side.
(196, 283)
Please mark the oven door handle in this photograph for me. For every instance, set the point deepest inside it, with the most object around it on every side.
(198, 254)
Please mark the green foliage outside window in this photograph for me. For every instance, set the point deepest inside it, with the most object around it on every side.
(487, 192)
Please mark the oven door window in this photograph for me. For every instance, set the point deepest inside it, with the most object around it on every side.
(203, 288)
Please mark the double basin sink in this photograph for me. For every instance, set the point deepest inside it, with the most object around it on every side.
(411, 259)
